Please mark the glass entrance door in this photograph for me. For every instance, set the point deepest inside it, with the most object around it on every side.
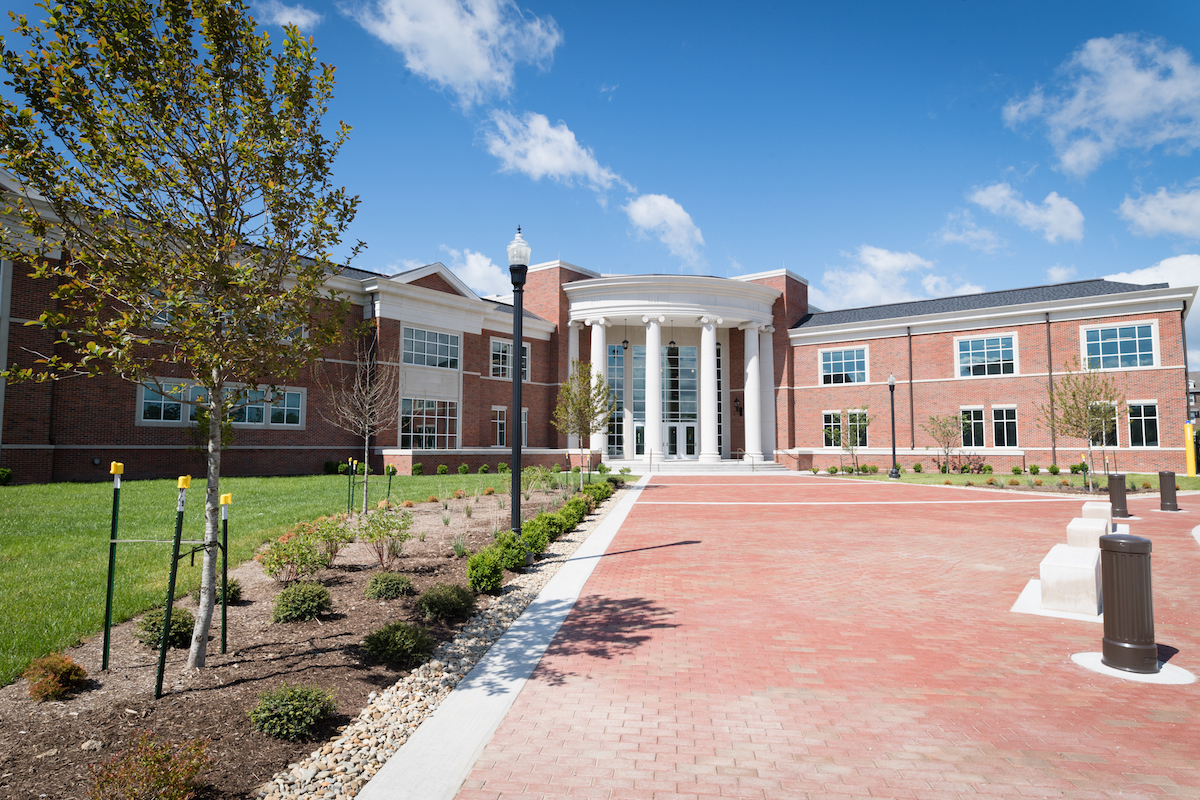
(679, 439)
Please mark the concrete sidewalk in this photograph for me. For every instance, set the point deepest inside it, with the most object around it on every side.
(788, 637)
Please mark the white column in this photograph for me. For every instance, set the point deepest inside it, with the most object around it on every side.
(766, 347)
(572, 357)
(752, 399)
(599, 373)
(710, 448)
(654, 386)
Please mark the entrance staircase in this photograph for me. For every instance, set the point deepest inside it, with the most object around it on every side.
(728, 466)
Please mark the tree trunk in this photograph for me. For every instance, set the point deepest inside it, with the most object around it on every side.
(208, 571)
(366, 468)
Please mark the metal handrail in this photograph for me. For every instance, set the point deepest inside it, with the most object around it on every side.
(742, 450)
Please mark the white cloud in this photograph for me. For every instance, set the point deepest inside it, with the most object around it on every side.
(666, 219)
(960, 228)
(1060, 274)
(607, 91)
(877, 276)
(273, 12)
(403, 265)
(1127, 91)
(478, 271)
(1165, 212)
(532, 146)
(470, 47)
(1176, 271)
(1057, 217)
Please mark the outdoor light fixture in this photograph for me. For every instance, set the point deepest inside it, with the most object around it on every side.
(625, 343)
(737, 405)
(893, 473)
(518, 267)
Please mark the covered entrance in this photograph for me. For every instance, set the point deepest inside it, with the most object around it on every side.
(679, 440)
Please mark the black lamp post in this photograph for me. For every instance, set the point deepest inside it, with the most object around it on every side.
(893, 473)
(518, 266)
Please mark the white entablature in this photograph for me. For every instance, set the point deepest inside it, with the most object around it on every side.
(677, 299)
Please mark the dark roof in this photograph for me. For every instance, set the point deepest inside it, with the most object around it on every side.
(973, 302)
(508, 309)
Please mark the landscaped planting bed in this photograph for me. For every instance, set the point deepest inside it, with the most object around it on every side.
(43, 753)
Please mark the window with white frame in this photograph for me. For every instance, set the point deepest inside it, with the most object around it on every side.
(524, 427)
(163, 403)
(1103, 422)
(856, 427)
(430, 348)
(428, 424)
(1143, 424)
(972, 427)
(285, 408)
(844, 366)
(499, 426)
(250, 410)
(990, 355)
(831, 428)
(256, 408)
(502, 359)
(1004, 427)
(1119, 347)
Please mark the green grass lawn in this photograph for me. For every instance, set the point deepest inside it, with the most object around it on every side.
(54, 545)
(1183, 481)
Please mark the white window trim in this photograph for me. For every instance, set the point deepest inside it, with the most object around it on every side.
(492, 423)
(841, 422)
(985, 427)
(526, 346)
(866, 428)
(1017, 421)
(972, 337)
(866, 348)
(1157, 344)
(405, 365)
(1129, 423)
(1116, 427)
(185, 420)
(456, 417)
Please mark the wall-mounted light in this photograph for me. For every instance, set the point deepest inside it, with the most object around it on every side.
(737, 405)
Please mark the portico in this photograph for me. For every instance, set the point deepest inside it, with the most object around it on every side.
(664, 344)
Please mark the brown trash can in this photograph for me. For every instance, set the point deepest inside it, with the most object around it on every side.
(1116, 495)
(1128, 642)
(1166, 492)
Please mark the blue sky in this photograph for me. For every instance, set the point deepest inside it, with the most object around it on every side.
(885, 151)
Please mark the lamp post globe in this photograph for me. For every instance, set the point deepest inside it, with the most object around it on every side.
(893, 473)
(518, 267)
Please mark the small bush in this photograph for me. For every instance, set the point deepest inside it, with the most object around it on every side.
(970, 483)
(463, 469)
(150, 768)
(53, 677)
(1013, 482)
(1074, 469)
(1037, 481)
(987, 469)
(343, 468)
(626, 470)
(489, 491)
(388, 586)
(510, 550)
(301, 601)
(446, 601)
(917, 467)
(814, 470)
(432, 499)
(536, 535)
(575, 470)
(502, 468)
(418, 468)
(401, 644)
(5, 476)
(556, 468)
(484, 469)
(865, 469)
(390, 470)
(1016, 470)
(459, 494)
(408, 504)
(948, 482)
(234, 592)
(331, 467)
(990, 481)
(385, 532)
(443, 469)
(149, 630)
(292, 712)
(603, 468)
(331, 536)
(485, 570)
(1064, 482)
(1054, 469)
(460, 546)
(296, 554)
(832, 470)
(1034, 469)
(1146, 485)
(944, 468)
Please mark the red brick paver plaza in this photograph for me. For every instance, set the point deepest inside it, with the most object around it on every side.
(784, 637)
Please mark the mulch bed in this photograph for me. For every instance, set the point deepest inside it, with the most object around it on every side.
(41, 751)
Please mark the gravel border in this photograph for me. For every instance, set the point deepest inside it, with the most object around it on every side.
(343, 766)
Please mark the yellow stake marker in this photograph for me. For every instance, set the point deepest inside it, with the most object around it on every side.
(185, 482)
(116, 468)
(227, 499)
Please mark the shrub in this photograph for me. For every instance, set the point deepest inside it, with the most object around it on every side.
(865, 469)
(575, 470)
(537, 533)
(460, 546)
(485, 570)
(1037, 482)
(150, 768)
(1064, 482)
(626, 470)
(463, 469)
(296, 554)
(385, 532)
(510, 550)
(388, 586)
(331, 536)
(484, 469)
(401, 644)
(874, 468)
(5, 476)
(292, 712)
(1146, 485)
(443, 469)
(502, 468)
(149, 630)
(408, 504)
(446, 520)
(53, 677)
(1074, 469)
(446, 601)
(1016, 470)
(603, 468)
(432, 499)
(1013, 482)
(301, 601)
(832, 470)
(1054, 469)
(343, 468)
(944, 468)
(917, 467)
(948, 482)
(233, 592)
(1034, 469)
(418, 468)
(556, 468)
(990, 481)
(331, 467)
(815, 470)
(987, 469)
(970, 483)
(489, 491)
(615, 482)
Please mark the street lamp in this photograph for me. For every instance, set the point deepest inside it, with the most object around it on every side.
(518, 266)
(894, 473)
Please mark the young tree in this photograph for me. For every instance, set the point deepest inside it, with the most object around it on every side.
(854, 433)
(947, 431)
(365, 400)
(584, 405)
(1086, 405)
(179, 164)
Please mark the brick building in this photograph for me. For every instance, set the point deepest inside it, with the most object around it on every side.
(704, 368)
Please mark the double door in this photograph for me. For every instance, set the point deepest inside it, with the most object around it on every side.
(679, 440)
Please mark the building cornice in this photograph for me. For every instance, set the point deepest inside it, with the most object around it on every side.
(771, 273)
(681, 299)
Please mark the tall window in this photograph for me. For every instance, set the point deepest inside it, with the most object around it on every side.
(428, 424)
(844, 366)
(1104, 417)
(1004, 427)
(972, 427)
(430, 348)
(831, 428)
(989, 356)
(616, 382)
(856, 428)
(720, 402)
(499, 428)
(1143, 425)
(502, 359)
(1124, 346)
(680, 384)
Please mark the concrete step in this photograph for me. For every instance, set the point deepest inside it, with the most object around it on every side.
(689, 467)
